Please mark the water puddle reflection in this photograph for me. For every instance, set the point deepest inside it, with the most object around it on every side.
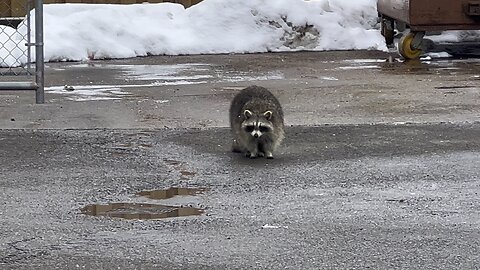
(144, 211)
(163, 194)
(139, 211)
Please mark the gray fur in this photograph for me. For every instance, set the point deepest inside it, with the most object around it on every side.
(255, 111)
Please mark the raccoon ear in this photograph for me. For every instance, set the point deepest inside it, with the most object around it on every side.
(268, 115)
(247, 114)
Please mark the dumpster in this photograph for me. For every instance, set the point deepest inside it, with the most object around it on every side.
(423, 16)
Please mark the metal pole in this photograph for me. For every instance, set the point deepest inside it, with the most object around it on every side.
(39, 61)
(8, 86)
(29, 38)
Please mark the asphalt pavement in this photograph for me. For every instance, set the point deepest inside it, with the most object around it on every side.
(379, 168)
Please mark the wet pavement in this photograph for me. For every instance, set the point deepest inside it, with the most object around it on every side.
(194, 91)
(127, 165)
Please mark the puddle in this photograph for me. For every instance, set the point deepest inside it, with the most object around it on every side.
(180, 72)
(143, 211)
(439, 66)
(153, 76)
(163, 194)
(431, 64)
(139, 211)
(193, 73)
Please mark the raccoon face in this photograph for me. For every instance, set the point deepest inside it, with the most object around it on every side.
(257, 124)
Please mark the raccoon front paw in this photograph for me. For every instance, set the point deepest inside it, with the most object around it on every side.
(250, 155)
(269, 155)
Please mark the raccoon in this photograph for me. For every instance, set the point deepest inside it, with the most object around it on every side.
(256, 121)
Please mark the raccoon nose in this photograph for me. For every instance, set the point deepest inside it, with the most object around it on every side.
(255, 135)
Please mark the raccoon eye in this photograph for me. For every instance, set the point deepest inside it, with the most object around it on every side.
(249, 128)
(264, 129)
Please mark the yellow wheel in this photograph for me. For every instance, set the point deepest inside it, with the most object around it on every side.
(405, 47)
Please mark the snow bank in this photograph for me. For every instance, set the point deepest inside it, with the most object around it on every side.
(81, 31)
(11, 42)
(457, 36)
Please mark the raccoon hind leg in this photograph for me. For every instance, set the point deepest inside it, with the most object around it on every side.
(236, 147)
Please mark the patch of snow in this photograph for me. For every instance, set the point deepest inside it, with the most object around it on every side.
(246, 77)
(438, 55)
(361, 61)
(180, 82)
(329, 78)
(162, 72)
(162, 101)
(359, 67)
(89, 92)
(267, 226)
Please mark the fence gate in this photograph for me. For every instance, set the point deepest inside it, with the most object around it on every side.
(18, 51)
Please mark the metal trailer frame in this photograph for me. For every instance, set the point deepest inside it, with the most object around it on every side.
(39, 84)
(428, 15)
(423, 16)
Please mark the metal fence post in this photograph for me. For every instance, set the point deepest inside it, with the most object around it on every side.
(39, 61)
(21, 38)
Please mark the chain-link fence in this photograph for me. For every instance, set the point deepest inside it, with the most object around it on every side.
(17, 51)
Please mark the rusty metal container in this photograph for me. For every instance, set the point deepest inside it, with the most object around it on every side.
(423, 16)
(433, 15)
